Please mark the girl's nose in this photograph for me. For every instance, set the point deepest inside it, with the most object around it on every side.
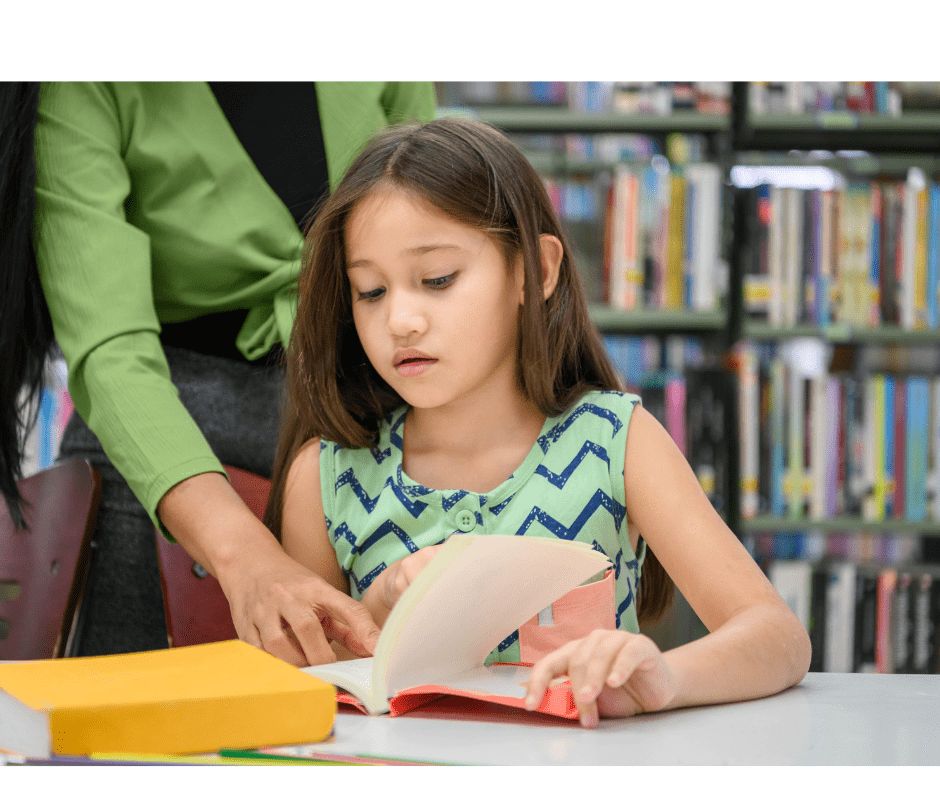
(405, 318)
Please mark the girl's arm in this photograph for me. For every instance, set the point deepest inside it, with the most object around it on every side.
(755, 647)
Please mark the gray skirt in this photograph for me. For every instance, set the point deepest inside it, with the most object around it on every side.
(236, 405)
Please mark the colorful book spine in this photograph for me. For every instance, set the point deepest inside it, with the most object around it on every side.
(675, 396)
(778, 221)
(933, 257)
(887, 446)
(832, 427)
(874, 442)
(748, 424)
(819, 436)
(917, 444)
(920, 262)
(933, 476)
(796, 466)
(884, 657)
(874, 280)
(907, 257)
(705, 244)
(899, 435)
(779, 440)
(672, 295)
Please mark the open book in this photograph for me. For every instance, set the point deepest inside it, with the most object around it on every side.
(475, 592)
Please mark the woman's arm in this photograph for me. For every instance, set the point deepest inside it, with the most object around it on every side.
(97, 275)
(755, 647)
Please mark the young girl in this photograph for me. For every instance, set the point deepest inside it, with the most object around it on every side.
(444, 376)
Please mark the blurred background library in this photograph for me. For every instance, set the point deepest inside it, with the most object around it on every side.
(763, 262)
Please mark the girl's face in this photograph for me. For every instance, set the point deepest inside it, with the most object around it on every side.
(434, 303)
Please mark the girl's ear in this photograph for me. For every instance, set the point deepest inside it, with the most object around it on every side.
(552, 252)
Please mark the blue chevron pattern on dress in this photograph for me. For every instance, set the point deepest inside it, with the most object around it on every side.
(395, 434)
(349, 477)
(363, 585)
(599, 500)
(416, 490)
(500, 506)
(448, 501)
(508, 641)
(628, 600)
(560, 479)
(380, 456)
(342, 530)
(388, 527)
(559, 429)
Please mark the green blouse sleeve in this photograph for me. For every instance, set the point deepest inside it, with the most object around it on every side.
(96, 273)
(148, 210)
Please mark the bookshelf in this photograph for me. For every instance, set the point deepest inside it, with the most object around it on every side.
(856, 145)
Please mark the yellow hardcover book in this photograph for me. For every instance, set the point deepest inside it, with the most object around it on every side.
(673, 291)
(190, 699)
(920, 263)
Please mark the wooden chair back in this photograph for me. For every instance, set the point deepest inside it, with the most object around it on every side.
(196, 608)
(43, 569)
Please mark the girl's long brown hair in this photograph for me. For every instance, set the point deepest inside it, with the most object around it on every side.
(471, 173)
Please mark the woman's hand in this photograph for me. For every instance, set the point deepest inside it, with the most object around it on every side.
(286, 609)
(277, 603)
(612, 674)
(388, 587)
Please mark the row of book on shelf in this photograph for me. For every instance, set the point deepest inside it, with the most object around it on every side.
(644, 98)
(661, 233)
(708, 98)
(865, 617)
(865, 255)
(817, 444)
(882, 98)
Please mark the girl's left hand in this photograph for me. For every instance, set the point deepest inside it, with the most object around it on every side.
(612, 674)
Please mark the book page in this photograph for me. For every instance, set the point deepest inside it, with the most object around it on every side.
(354, 676)
(475, 592)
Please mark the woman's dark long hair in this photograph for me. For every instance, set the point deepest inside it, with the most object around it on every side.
(25, 327)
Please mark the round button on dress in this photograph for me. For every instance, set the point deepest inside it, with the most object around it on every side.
(465, 520)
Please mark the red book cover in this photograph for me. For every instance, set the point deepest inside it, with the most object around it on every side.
(887, 581)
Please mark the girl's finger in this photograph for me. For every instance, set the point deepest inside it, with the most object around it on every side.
(628, 658)
(547, 668)
(592, 662)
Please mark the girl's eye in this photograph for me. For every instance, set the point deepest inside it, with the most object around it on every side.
(371, 295)
(440, 282)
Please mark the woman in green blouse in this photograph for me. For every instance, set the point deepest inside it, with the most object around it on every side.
(167, 241)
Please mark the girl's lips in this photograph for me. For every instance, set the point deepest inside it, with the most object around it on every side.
(412, 367)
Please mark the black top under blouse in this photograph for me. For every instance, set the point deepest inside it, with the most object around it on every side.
(278, 125)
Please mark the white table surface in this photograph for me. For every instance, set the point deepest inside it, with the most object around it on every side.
(828, 719)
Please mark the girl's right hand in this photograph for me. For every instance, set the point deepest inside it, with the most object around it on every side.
(388, 587)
